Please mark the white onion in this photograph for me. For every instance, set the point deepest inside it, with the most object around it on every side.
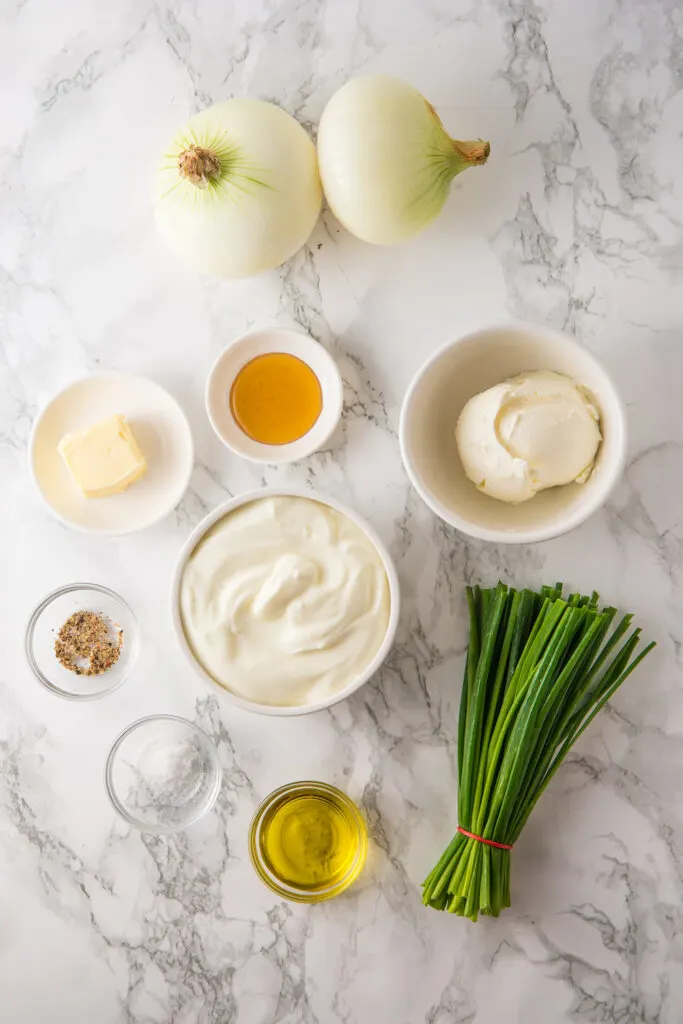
(238, 191)
(386, 162)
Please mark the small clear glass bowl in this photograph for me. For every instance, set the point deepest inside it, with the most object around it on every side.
(48, 618)
(266, 870)
(162, 774)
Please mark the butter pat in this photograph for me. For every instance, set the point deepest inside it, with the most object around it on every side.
(104, 459)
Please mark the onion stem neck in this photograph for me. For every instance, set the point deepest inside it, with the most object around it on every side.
(199, 165)
(471, 153)
(458, 156)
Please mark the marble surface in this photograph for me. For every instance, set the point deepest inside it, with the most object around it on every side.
(575, 222)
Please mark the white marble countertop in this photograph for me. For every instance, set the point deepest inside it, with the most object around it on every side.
(575, 222)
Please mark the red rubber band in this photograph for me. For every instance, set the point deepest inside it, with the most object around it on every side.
(480, 839)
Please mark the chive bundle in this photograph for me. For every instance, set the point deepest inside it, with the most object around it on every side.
(539, 668)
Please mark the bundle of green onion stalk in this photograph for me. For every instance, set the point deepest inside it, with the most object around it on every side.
(539, 668)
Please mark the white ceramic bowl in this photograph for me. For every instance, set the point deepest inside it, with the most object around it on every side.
(273, 492)
(260, 343)
(161, 430)
(469, 365)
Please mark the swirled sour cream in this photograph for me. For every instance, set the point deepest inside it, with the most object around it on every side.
(285, 601)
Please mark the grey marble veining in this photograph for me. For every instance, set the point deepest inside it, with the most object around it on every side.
(576, 222)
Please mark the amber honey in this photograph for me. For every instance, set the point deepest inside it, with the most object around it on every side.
(276, 398)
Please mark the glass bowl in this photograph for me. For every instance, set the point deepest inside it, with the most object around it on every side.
(48, 618)
(162, 774)
(291, 820)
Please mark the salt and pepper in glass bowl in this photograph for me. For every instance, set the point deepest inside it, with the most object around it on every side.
(57, 638)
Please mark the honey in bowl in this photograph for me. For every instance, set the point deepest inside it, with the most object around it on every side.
(308, 841)
(276, 398)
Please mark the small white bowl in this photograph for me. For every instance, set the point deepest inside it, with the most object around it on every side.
(276, 492)
(161, 430)
(259, 343)
(462, 369)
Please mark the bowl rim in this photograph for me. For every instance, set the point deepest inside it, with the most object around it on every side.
(96, 530)
(526, 536)
(30, 629)
(268, 876)
(285, 711)
(111, 789)
(310, 442)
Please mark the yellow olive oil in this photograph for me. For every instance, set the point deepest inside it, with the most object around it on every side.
(311, 841)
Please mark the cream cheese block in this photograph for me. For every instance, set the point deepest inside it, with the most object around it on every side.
(538, 430)
(105, 458)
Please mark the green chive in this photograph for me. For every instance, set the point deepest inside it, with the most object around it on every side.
(539, 668)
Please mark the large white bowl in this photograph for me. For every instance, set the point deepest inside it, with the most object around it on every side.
(462, 369)
(289, 492)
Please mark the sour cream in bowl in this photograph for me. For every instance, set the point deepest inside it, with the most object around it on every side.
(285, 599)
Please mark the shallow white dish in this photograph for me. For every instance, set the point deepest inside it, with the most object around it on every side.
(394, 598)
(160, 428)
(469, 365)
(259, 343)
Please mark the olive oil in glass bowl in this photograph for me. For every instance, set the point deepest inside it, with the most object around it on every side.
(308, 842)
